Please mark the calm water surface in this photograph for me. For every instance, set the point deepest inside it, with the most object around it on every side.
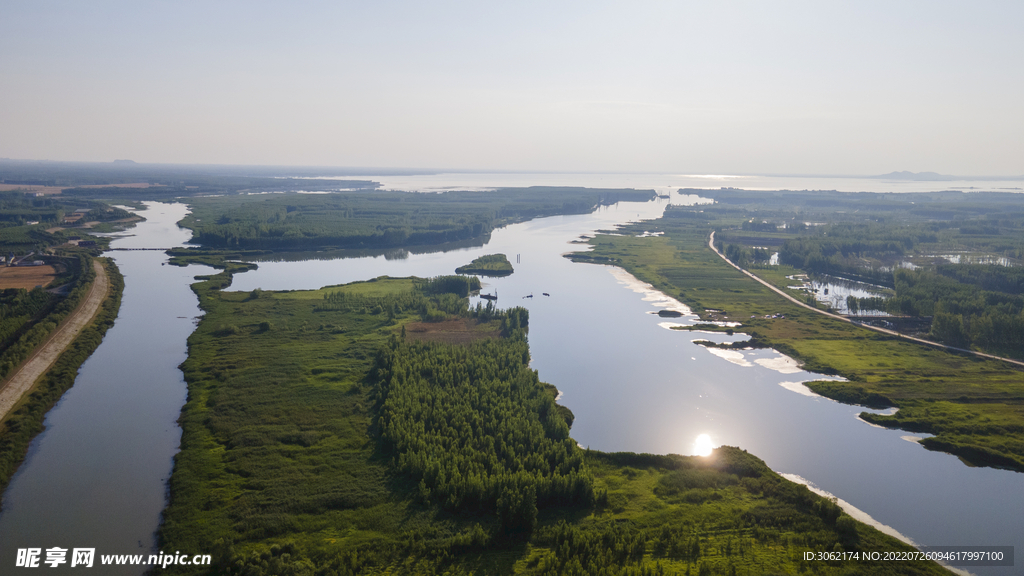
(674, 181)
(96, 477)
(636, 385)
(833, 291)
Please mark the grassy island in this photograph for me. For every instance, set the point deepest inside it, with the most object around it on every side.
(368, 220)
(489, 265)
(343, 431)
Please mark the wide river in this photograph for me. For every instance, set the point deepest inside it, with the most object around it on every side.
(97, 476)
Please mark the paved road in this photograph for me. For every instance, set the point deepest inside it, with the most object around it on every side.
(711, 244)
(47, 353)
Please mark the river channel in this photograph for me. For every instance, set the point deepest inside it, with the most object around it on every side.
(636, 385)
(97, 476)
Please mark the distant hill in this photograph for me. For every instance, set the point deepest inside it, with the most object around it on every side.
(920, 176)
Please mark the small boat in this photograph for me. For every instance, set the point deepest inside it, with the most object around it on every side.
(489, 296)
(528, 296)
(545, 293)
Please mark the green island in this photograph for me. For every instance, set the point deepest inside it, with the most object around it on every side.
(973, 406)
(385, 427)
(359, 220)
(487, 265)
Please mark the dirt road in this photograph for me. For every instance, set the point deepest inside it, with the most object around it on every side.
(44, 356)
(711, 244)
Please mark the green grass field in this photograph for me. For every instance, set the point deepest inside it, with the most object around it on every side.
(283, 470)
(974, 406)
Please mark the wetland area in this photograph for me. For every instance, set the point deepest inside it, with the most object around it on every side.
(634, 380)
(580, 289)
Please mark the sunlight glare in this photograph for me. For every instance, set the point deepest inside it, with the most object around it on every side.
(702, 447)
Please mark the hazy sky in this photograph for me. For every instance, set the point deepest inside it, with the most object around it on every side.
(690, 87)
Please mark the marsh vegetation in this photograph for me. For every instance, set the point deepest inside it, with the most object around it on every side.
(380, 219)
(971, 405)
(320, 438)
(487, 265)
(40, 314)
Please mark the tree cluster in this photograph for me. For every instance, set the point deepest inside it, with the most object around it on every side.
(381, 219)
(477, 430)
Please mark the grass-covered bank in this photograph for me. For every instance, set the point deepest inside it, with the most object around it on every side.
(974, 406)
(29, 317)
(26, 420)
(362, 220)
(320, 437)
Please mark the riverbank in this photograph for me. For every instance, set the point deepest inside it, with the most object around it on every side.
(972, 405)
(780, 292)
(282, 462)
(51, 371)
(46, 354)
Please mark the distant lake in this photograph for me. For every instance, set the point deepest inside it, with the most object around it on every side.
(665, 183)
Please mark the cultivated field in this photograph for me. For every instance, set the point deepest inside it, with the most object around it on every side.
(45, 190)
(27, 277)
(455, 331)
(50, 190)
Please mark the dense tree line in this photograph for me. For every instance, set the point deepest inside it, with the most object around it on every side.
(435, 299)
(476, 428)
(861, 250)
(18, 308)
(24, 219)
(24, 423)
(610, 549)
(28, 317)
(381, 219)
(743, 256)
(458, 285)
(168, 181)
(18, 208)
(963, 314)
(971, 305)
(1008, 279)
